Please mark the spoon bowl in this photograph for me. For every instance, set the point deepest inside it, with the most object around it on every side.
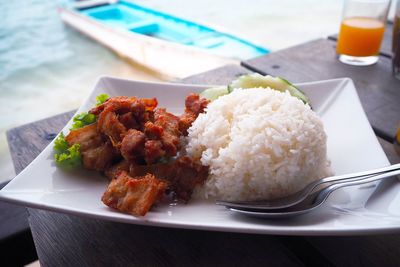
(305, 206)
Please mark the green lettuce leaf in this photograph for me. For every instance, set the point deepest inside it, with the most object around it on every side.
(60, 145)
(66, 156)
(70, 158)
(101, 98)
(82, 119)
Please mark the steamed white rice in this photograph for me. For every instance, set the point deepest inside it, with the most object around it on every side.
(258, 144)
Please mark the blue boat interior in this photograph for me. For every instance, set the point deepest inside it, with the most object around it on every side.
(140, 20)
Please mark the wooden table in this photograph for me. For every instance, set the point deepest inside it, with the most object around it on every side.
(74, 241)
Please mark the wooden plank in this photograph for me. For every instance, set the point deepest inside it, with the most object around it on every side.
(26, 140)
(13, 219)
(378, 90)
(64, 240)
(386, 46)
(382, 250)
(74, 241)
(15, 235)
(393, 156)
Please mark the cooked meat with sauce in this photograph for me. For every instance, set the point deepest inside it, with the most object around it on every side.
(187, 175)
(118, 113)
(134, 195)
(133, 146)
(97, 152)
(194, 105)
(87, 136)
(153, 151)
(137, 146)
(99, 158)
(114, 170)
(183, 175)
(169, 123)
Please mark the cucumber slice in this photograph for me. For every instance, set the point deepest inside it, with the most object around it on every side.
(255, 80)
(214, 92)
(295, 91)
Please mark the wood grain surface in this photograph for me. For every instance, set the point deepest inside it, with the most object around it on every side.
(13, 219)
(15, 235)
(378, 90)
(64, 240)
(35, 137)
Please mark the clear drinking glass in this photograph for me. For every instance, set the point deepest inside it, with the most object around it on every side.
(361, 31)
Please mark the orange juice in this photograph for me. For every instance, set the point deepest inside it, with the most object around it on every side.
(360, 37)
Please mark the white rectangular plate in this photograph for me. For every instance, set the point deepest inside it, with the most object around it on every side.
(352, 146)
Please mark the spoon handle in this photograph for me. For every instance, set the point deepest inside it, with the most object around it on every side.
(346, 178)
(323, 195)
(360, 175)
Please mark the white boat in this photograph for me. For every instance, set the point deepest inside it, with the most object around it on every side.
(168, 45)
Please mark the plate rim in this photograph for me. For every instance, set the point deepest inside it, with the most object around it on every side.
(283, 231)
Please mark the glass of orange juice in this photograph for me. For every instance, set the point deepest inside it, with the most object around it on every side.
(361, 31)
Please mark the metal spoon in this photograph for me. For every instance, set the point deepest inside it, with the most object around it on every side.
(312, 201)
(291, 200)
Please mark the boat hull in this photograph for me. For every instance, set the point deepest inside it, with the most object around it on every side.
(171, 60)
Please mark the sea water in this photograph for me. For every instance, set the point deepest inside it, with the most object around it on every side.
(31, 33)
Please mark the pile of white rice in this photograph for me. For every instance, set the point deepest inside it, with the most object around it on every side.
(258, 144)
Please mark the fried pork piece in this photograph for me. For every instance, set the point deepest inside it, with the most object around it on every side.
(125, 104)
(183, 175)
(99, 158)
(171, 133)
(109, 125)
(118, 114)
(87, 137)
(133, 146)
(122, 102)
(133, 195)
(143, 134)
(113, 171)
(129, 121)
(188, 174)
(162, 136)
(153, 151)
(97, 152)
(194, 105)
